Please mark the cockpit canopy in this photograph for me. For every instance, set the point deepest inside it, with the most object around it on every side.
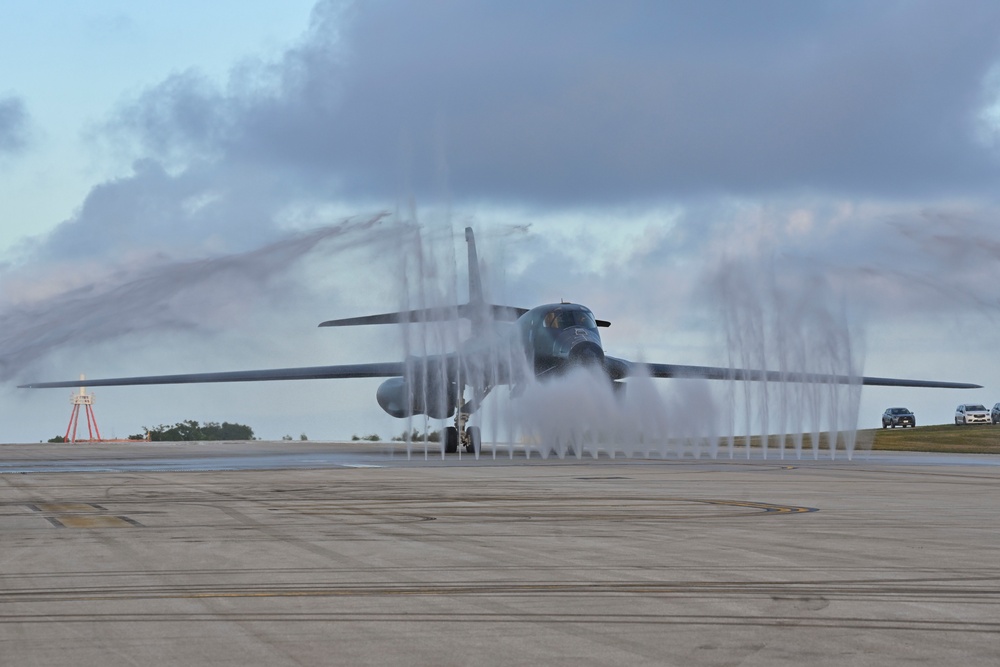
(567, 316)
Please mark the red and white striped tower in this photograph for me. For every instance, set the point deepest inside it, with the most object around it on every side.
(86, 400)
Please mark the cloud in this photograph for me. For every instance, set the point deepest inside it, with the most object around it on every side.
(892, 261)
(537, 108)
(193, 210)
(13, 125)
(604, 103)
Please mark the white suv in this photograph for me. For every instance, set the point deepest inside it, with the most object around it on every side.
(969, 413)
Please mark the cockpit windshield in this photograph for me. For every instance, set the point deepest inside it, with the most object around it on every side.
(563, 318)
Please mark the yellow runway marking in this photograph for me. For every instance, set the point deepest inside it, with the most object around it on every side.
(80, 515)
(92, 521)
(65, 507)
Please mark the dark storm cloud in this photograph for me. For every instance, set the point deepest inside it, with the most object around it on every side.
(13, 125)
(595, 102)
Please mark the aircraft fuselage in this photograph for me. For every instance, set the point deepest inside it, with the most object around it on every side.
(556, 336)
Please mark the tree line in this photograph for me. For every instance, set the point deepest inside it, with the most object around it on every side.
(191, 430)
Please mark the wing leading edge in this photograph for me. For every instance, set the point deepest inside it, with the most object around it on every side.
(375, 370)
(445, 314)
(618, 369)
(624, 368)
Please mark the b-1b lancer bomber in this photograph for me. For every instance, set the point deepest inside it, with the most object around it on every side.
(507, 346)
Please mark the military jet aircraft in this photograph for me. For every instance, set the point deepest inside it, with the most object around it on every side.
(508, 346)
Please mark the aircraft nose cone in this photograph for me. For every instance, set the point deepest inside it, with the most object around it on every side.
(586, 353)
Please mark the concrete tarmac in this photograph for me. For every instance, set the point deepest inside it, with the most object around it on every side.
(302, 554)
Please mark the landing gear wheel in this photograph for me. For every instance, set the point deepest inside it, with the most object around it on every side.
(893, 424)
(475, 437)
(450, 440)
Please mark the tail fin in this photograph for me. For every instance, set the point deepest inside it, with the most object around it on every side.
(476, 309)
(475, 281)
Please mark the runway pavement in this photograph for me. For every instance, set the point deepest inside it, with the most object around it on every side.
(352, 554)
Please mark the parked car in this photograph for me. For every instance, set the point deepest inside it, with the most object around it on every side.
(898, 417)
(970, 413)
(995, 413)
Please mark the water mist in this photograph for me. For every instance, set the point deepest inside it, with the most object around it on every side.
(785, 323)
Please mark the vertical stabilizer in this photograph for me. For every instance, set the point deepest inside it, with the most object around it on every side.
(475, 280)
(475, 309)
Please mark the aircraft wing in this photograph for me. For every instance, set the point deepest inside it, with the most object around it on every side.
(620, 368)
(388, 369)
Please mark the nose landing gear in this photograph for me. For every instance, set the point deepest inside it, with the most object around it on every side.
(460, 435)
(471, 439)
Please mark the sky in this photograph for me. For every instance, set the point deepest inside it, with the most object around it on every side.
(196, 186)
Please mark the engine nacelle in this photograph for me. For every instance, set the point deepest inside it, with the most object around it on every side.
(401, 398)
